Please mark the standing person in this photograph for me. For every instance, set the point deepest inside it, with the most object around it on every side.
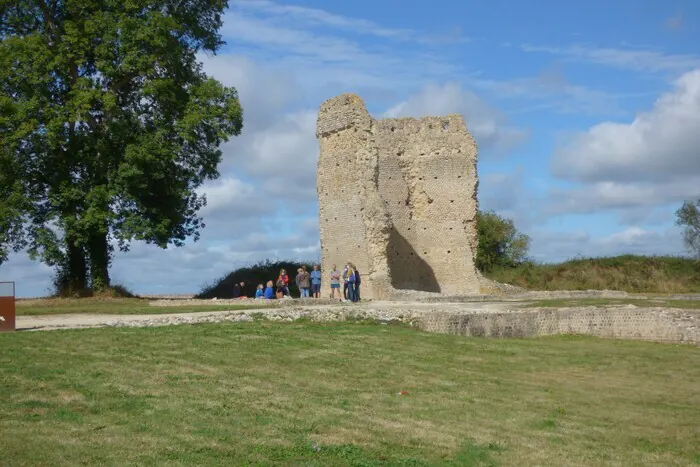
(316, 282)
(357, 285)
(335, 282)
(238, 290)
(351, 282)
(345, 283)
(283, 281)
(305, 282)
(297, 281)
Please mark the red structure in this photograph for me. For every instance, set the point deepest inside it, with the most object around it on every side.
(7, 306)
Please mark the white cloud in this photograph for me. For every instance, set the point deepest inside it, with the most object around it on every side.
(277, 148)
(315, 16)
(335, 53)
(652, 161)
(636, 59)
(507, 194)
(551, 90)
(228, 194)
(265, 90)
(266, 35)
(548, 246)
(487, 125)
(284, 155)
(659, 145)
(612, 195)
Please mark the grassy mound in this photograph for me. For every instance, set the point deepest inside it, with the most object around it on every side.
(252, 276)
(113, 291)
(629, 273)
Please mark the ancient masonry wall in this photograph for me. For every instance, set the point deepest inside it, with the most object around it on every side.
(397, 197)
(648, 324)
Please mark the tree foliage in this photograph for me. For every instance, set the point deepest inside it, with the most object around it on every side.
(688, 217)
(500, 243)
(108, 126)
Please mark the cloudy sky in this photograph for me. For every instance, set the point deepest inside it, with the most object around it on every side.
(587, 116)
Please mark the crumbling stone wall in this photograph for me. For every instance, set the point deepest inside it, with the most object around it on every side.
(397, 197)
(629, 322)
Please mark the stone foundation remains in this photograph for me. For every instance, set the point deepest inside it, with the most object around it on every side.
(627, 322)
(397, 197)
(478, 319)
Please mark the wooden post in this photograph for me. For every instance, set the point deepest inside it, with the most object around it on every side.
(7, 306)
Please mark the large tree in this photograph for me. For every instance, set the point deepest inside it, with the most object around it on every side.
(688, 217)
(108, 126)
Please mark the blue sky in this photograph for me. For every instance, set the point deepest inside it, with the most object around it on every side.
(587, 116)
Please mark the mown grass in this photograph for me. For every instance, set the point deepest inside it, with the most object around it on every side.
(573, 302)
(116, 306)
(634, 274)
(327, 394)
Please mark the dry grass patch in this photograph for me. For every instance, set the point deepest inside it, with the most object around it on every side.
(634, 274)
(327, 394)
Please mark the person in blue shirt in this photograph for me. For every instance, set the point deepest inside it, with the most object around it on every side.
(316, 282)
(269, 291)
(260, 292)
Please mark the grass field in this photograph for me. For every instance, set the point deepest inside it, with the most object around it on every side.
(327, 394)
(116, 306)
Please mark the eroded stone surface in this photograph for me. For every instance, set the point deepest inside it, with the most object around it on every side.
(397, 197)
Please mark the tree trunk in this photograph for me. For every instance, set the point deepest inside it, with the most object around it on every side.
(77, 269)
(72, 275)
(100, 258)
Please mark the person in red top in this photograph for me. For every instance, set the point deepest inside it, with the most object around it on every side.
(283, 282)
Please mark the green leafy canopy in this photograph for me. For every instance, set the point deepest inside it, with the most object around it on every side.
(500, 242)
(108, 124)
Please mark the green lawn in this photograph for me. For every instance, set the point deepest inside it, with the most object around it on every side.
(326, 394)
(660, 302)
(116, 306)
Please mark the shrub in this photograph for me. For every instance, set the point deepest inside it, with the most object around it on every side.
(253, 275)
(501, 245)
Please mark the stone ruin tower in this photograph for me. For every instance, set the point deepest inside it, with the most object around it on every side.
(397, 197)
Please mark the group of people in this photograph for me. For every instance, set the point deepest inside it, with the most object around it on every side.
(309, 284)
